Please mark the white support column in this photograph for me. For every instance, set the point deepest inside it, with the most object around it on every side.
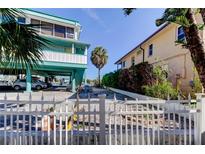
(86, 50)
(73, 82)
(73, 48)
(201, 118)
(76, 35)
(102, 119)
(85, 77)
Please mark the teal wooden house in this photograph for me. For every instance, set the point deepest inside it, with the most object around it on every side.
(67, 56)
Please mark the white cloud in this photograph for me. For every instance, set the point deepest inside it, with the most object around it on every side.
(93, 14)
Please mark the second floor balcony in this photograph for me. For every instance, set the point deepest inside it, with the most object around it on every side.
(64, 57)
(66, 51)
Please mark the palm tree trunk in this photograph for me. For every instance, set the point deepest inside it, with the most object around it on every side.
(99, 76)
(202, 11)
(196, 46)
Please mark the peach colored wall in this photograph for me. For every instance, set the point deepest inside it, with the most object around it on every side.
(166, 52)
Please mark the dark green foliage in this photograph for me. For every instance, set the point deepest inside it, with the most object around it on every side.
(161, 87)
(128, 11)
(124, 80)
(20, 44)
(141, 78)
(111, 79)
(134, 78)
(131, 79)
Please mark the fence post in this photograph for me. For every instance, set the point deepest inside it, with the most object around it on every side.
(201, 118)
(102, 119)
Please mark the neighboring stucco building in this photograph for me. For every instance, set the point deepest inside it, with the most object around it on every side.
(161, 48)
(67, 56)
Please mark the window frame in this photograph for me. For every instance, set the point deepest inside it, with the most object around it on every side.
(179, 35)
(38, 29)
(150, 50)
(132, 61)
(49, 28)
(58, 31)
(123, 64)
(70, 34)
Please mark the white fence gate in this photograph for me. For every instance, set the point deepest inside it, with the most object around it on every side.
(97, 121)
(152, 122)
(52, 122)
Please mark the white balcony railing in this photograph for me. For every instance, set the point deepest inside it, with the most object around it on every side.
(64, 57)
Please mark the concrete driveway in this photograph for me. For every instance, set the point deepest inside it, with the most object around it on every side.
(97, 91)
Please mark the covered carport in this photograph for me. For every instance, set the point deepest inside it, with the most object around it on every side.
(75, 71)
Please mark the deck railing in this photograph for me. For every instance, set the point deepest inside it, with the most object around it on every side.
(64, 57)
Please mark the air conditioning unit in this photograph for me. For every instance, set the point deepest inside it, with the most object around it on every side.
(69, 35)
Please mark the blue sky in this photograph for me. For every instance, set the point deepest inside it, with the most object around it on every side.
(111, 29)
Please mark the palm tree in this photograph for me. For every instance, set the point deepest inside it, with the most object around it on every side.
(20, 45)
(99, 58)
(194, 42)
(202, 11)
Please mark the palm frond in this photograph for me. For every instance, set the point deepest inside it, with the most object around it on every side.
(23, 46)
(175, 15)
(99, 57)
(128, 11)
(9, 14)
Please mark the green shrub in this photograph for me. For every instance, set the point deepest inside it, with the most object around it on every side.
(161, 88)
(110, 79)
(141, 78)
(131, 79)
(124, 79)
(134, 78)
(197, 86)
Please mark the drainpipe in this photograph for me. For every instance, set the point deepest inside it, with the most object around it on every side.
(143, 52)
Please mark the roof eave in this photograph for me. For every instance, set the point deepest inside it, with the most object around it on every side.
(153, 34)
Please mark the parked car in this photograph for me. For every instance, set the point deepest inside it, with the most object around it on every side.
(4, 83)
(36, 84)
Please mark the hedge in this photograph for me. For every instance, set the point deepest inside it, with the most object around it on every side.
(132, 79)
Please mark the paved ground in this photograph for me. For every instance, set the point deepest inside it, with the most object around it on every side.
(97, 91)
(60, 94)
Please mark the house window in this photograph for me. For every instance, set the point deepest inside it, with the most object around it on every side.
(69, 32)
(36, 23)
(46, 28)
(21, 20)
(123, 64)
(180, 34)
(133, 61)
(150, 53)
(60, 31)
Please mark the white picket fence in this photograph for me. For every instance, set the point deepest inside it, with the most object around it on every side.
(98, 121)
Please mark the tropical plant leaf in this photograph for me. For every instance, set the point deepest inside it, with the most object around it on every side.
(20, 44)
(128, 11)
(174, 15)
